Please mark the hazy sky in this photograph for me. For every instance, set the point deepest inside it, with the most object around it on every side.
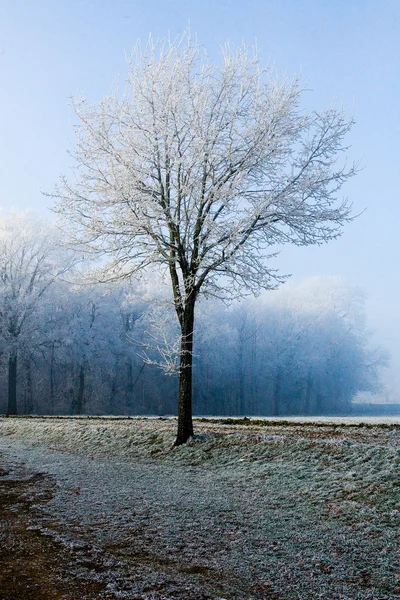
(348, 51)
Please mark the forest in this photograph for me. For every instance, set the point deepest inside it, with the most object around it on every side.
(73, 346)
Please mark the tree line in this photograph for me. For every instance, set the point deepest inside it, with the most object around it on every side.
(71, 346)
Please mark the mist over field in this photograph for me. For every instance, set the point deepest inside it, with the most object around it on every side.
(79, 348)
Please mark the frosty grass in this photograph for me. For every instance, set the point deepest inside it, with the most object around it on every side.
(240, 512)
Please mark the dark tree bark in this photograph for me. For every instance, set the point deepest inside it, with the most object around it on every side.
(12, 385)
(78, 401)
(277, 392)
(52, 387)
(134, 403)
(241, 376)
(29, 388)
(254, 377)
(113, 392)
(129, 384)
(307, 400)
(185, 421)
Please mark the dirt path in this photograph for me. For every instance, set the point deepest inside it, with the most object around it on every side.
(33, 567)
(46, 559)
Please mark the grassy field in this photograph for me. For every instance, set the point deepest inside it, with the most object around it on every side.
(246, 510)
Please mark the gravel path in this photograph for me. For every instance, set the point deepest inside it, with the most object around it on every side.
(286, 513)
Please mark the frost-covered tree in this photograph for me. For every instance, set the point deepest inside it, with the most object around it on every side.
(31, 259)
(203, 169)
(302, 349)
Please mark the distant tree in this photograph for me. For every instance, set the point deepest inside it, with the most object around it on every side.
(79, 358)
(316, 346)
(31, 259)
(201, 169)
(302, 349)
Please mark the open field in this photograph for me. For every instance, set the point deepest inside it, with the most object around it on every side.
(107, 508)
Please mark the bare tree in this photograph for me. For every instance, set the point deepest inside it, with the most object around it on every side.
(202, 168)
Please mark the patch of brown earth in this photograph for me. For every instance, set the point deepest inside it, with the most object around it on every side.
(33, 567)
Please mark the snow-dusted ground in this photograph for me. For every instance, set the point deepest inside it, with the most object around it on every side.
(297, 512)
(382, 419)
(334, 420)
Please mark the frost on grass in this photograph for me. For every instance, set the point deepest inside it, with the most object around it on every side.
(249, 512)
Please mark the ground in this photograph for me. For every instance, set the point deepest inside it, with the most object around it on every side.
(106, 508)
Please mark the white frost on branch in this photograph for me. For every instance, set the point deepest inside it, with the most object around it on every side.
(202, 168)
(161, 343)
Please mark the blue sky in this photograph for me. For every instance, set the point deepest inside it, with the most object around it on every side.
(346, 51)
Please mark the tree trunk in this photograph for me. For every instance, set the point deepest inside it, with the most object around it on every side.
(129, 385)
(77, 403)
(113, 388)
(185, 422)
(277, 391)
(81, 391)
(52, 380)
(254, 375)
(307, 401)
(241, 375)
(12, 385)
(29, 388)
